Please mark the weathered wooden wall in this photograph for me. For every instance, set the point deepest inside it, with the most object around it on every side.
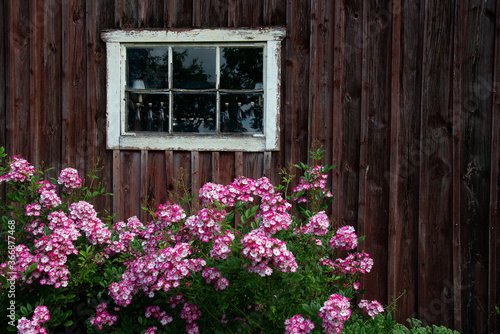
(402, 94)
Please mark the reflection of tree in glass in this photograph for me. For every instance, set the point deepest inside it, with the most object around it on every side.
(192, 111)
(144, 65)
(192, 76)
(243, 68)
(256, 123)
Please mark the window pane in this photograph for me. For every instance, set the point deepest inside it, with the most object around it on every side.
(194, 112)
(147, 112)
(241, 113)
(241, 68)
(147, 68)
(194, 68)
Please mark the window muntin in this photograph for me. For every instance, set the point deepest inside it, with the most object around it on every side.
(202, 89)
(248, 97)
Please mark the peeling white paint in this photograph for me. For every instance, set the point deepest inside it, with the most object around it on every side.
(117, 138)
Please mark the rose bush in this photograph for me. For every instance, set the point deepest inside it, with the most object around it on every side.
(246, 261)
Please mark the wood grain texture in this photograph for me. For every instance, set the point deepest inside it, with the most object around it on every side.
(375, 144)
(435, 198)
(403, 95)
(405, 152)
(17, 71)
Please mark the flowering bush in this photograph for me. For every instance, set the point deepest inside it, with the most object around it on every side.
(242, 263)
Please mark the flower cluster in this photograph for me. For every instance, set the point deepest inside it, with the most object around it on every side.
(54, 248)
(85, 216)
(161, 316)
(298, 325)
(20, 170)
(351, 265)
(151, 330)
(345, 239)
(317, 225)
(175, 300)
(372, 308)
(222, 246)
(334, 312)
(191, 313)
(103, 317)
(315, 180)
(211, 274)
(20, 260)
(205, 225)
(40, 315)
(167, 214)
(155, 271)
(211, 193)
(273, 214)
(261, 250)
(126, 233)
(69, 179)
(33, 209)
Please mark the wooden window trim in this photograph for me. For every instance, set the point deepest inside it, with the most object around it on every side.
(117, 138)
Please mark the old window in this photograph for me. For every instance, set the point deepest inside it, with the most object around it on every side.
(199, 89)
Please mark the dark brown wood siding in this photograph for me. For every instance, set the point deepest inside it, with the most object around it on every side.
(402, 94)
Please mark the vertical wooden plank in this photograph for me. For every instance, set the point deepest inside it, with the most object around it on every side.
(143, 185)
(36, 24)
(197, 13)
(49, 80)
(169, 169)
(321, 76)
(17, 60)
(118, 206)
(473, 64)
(494, 209)
(152, 14)
(435, 198)
(297, 77)
(130, 183)
(182, 14)
(157, 179)
(274, 12)
(405, 157)
(267, 164)
(253, 165)
(205, 164)
(238, 164)
(227, 168)
(130, 14)
(182, 170)
(375, 145)
(215, 167)
(214, 13)
(75, 120)
(248, 13)
(3, 116)
(349, 43)
(195, 176)
(99, 16)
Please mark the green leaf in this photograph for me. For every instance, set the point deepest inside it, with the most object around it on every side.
(68, 323)
(3, 280)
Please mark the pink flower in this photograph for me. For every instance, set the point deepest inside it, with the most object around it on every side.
(372, 308)
(297, 324)
(69, 179)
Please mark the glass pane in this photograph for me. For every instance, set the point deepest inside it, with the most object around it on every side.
(241, 68)
(194, 112)
(147, 68)
(147, 112)
(194, 68)
(241, 113)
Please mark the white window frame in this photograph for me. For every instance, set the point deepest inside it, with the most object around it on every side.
(118, 138)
